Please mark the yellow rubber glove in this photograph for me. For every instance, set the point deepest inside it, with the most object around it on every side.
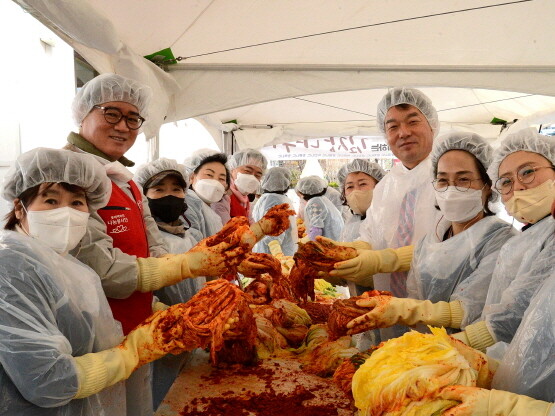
(369, 262)
(159, 306)
(476, 401)
(358, 244)
(201, 260)
(274, 222)
(151, 340)
(144, 344)
(387, 311)
(477, 336)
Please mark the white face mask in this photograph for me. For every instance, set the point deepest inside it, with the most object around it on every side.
(246, 184)
(115, 170)
(359, 201)
(209, 190)
(531, 205)
(459, 206)
(61, 229)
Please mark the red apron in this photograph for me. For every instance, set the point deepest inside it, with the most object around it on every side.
(125, 224)
(236, 209)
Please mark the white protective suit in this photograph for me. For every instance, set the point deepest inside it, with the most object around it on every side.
(288, 239)
(321, 213)
(460, 267)
(335, 197)
(204, 221)
(524, 263)
(382, 218)
(528, 366)
(351, 230)
(52, 308)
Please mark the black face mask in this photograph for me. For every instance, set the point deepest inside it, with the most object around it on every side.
(168, 209)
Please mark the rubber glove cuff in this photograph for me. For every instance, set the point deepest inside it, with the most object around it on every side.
(457, 314)
(510, 404)
(96, 371)
(479, 336)
(159, 272)
(396, 259)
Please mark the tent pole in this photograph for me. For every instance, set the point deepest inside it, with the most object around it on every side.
(228, 143)
(154, 148)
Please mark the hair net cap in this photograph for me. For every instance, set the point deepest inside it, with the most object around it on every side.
(195, 160)
(311, 185)
(248, 157)
(276, 179)
(470, 142)
(412, 96)
(527, 140)
(110, 87)
(360, 165)
(158, 170)
(42, 165)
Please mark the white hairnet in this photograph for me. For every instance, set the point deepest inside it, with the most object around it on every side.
(412, 96)
(248, 157)
(166, 166)
(527, 140)
(194, 161)
(110, 87)
(470, 142)
(311, 185)
(360, 165)
(276, 179)
(42, 165)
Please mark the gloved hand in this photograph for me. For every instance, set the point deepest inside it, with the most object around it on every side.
(387, 311)
(153, 339)
(159, 306)
(274, 222)
(358, 244)
(477, 335)
(477, 401)
(370, 262)
(314, 232)
(484, 365)
(201, 260)
(256, 264)
(287, 262)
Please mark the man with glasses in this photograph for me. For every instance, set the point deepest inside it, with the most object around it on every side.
(123, 243)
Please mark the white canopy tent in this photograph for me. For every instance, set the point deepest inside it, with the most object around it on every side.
(286, 70)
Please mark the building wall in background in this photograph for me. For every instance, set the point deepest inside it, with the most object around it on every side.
(37, 83)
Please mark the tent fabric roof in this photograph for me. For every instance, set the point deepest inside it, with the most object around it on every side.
(286, 63)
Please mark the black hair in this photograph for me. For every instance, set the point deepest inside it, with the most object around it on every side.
(308, 197)
(217, 157)
(264, 191)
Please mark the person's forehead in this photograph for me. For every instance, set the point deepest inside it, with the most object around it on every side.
(170, 179)
(517, 159)
(397, 113)
(215, 167)
(55, 189)
(252, 167)
(357, 176)
(122, 106)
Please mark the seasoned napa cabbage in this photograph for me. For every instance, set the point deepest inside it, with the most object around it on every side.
(401, 376)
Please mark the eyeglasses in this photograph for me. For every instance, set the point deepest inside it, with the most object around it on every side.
(461, 184)
(525, 175)
(114, 115)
